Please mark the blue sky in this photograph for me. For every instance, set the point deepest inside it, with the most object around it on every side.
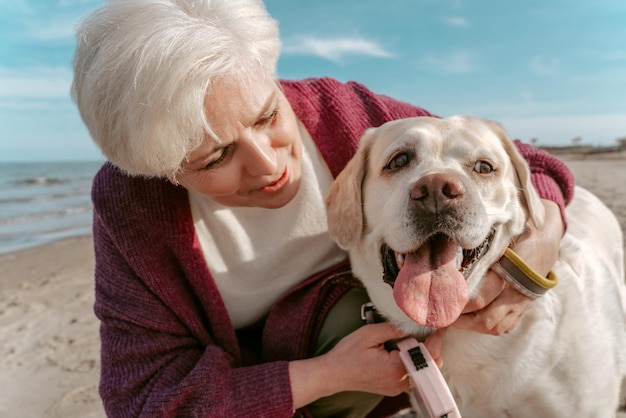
(546, 69)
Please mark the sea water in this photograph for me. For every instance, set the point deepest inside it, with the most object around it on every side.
(43, 202)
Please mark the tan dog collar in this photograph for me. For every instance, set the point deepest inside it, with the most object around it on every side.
(512, 268)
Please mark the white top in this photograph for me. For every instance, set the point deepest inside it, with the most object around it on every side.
(255, 255)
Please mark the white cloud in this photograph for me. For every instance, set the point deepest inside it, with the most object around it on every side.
(35, 83)
(74, 3)
(334, 49)
(545, 66)
(16, 6)
(527, 97)
(460, 62)
(50, 23)
(457, 21)
(58, 29)
(617, 55)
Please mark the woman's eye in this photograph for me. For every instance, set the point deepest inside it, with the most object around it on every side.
(267, 120)
(483, 167)
(399, 160)
(225, 152)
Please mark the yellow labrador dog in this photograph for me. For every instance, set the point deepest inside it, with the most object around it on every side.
(425, 207)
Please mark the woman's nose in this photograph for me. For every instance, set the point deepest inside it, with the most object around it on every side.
(260, 157)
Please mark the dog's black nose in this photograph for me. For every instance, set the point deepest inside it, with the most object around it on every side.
(436, 192)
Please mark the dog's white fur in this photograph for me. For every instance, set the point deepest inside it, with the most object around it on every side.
(568, 355)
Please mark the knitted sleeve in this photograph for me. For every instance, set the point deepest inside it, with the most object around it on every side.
(551, 177)
(166, 349)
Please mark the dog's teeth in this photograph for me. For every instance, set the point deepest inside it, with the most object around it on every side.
(399, 260)
(459, 258)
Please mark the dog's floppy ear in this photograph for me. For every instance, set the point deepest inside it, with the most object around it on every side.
(344, 202)
(536, 211)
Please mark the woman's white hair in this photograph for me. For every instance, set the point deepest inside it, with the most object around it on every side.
(142, 69)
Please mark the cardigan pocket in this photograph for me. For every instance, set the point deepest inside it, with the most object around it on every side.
(294, 322)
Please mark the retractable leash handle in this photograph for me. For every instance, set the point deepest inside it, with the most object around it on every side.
(429, 388)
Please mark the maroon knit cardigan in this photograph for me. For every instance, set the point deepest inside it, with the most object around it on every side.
(168, 346)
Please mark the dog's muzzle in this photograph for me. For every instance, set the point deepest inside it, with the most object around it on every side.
(466, 261)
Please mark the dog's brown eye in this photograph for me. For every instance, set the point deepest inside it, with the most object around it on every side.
(483, 167)
(398, 161)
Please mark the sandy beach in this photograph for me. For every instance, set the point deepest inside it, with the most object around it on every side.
(49, 348)
(49, 343)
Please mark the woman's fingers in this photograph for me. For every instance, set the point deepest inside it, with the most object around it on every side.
(496, 312)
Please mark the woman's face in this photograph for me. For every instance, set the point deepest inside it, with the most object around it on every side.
(258, 161)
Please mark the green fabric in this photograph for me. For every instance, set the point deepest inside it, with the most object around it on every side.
(342, 319)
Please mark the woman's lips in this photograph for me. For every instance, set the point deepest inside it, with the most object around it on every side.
(278, 184)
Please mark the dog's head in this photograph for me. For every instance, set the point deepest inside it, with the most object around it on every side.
(427, 205)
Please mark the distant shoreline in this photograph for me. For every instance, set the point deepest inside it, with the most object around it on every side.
(586, 152)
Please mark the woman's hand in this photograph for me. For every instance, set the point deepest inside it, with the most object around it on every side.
(359, 362)
(499, 307)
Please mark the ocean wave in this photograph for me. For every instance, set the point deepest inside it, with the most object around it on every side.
(20, 242)
(44, 201)
(41, 180)
(43, 216)
(41, 197)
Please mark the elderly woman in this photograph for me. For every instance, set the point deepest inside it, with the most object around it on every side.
(218, 288)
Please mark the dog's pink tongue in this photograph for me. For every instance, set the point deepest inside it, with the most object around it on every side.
(429, 288)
